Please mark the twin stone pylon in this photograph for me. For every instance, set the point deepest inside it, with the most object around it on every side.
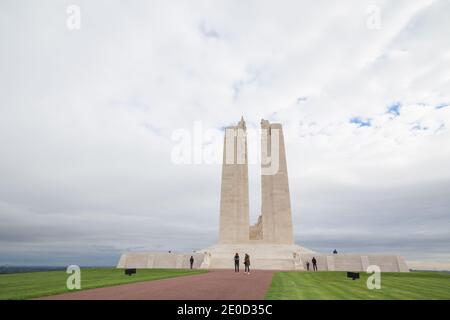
(274, 225)
(270, 241)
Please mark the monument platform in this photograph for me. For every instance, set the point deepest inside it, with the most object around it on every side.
(270, 242)
(263, 257)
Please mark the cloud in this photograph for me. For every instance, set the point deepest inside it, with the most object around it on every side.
(86, 119)
(394, 109)
(361, 122)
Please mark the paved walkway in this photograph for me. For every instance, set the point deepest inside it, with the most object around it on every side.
(213, 285)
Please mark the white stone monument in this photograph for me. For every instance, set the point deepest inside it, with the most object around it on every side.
(270, 242)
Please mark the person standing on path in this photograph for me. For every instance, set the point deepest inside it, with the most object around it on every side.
(191, 260)
(247, 263)
(236, 262)
(307, 265)
(314, 262)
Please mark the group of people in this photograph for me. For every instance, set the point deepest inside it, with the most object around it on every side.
(236, 262)
(314, 263)
(246, 263)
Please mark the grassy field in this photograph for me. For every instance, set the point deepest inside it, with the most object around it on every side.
(335, 286)
(38, 284)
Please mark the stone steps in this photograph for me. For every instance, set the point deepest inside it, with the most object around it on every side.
(262, 264)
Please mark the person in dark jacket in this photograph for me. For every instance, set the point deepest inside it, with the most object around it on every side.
(191, 260)
(307, 265)
(247, 263)
(314, 262)
(236, 262)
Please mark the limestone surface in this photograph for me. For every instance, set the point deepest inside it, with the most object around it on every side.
(270, 242)
(234, 214)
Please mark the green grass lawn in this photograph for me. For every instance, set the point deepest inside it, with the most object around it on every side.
(38, 284)
(335, 286)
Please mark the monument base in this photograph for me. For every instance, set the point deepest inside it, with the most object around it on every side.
(263, 257)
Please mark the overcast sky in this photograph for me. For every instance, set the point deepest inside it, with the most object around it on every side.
(87, 118)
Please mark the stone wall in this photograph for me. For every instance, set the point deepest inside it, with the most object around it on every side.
(263, 257)
(356, 262)
(156, 260)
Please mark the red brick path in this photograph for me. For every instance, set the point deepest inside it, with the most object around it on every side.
(214, 285)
